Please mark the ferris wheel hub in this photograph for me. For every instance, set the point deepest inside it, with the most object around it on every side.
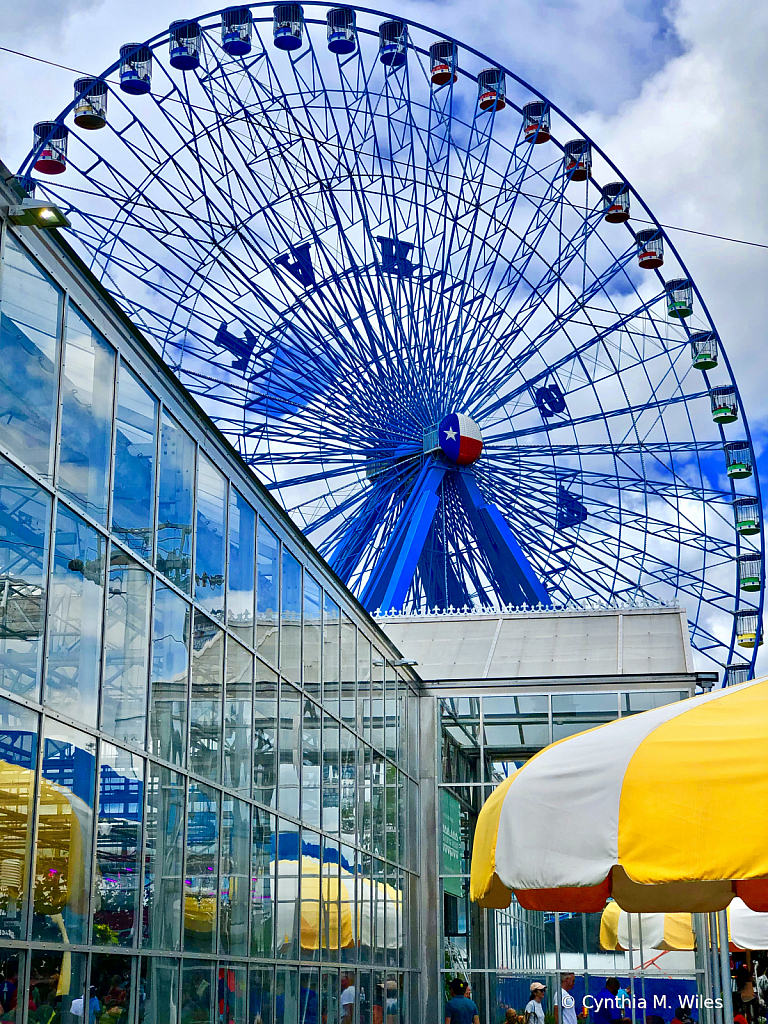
(459, 439)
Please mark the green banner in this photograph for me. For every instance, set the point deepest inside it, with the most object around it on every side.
(452, 846)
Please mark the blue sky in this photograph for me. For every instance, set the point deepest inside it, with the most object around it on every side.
(673, 92)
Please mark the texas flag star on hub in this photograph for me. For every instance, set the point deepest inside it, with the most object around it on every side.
(460, 439)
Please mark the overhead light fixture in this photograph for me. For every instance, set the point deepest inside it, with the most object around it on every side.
(37, 213)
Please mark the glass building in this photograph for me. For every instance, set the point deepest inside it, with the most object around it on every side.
(209, 754)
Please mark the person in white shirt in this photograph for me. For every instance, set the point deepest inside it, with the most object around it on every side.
(534, 1011)
(565, 1004)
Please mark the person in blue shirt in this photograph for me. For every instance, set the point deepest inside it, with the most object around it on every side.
(607, 1007)
(459, 1009)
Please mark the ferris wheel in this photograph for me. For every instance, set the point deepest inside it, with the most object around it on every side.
(427, 309)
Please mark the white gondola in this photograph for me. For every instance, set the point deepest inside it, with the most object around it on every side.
(650, 248)
(536, 123)
(577, 159)
(288, 26)
(90, 103)
(342, 37)
(704, 350)
(393, 42)
(750, 572)
(679, 298)
(735, 673)
(491, 89)
(746, 515)
(616, 202)
(135, 69)
(738, 459)
(51, 140)
(443, 62)
(184, 38)
(749, 629)
(236, 25)
(724, 405)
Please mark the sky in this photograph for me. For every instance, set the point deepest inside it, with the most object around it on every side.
(673, 92)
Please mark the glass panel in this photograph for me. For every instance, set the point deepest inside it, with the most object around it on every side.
(210, 553)
(331, 655)
(379, 822)
(309, 997)
(64, 835)
(390, 732)
(233, 994)
(290, 750)
(366, 997)
(391, 811)
(287, 891)
(348, 786)
(263, 857)
(576, 712)
(163, 858)
(126, 650)
(201, 882)
(238, 703)
(265, 735)
(133, 490)
(310, 911)
(348, 672)
(174, 509)
(632, 703)
(57, 987)
(12, 966)
(30, 319)
(313, 631)
(112, 988)
(334, 933)
(159, 993)
(286, 995)
(18, 736)
(329, 998)
(267, 594)
(242, 539)
(234, 907)
(377, 699)
(118, 848)
(514, 728)
(198, 992)
(25, 522)
(364, 686)
(347, 998)
(170, 661)
(74, 623)
(261, 981)
(365, 796)
(330, 782)
(87, 387)
(290, 632)
(205, 707)
(311, 764)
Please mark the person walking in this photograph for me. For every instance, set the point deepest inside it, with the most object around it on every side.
(534, 1011)
(565, 1004)
(459, 1009)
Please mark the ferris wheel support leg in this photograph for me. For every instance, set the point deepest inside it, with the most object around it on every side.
(392, 575)
(517, 582)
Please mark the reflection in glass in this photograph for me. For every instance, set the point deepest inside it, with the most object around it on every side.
(313, 632)
(290, 750)
(377, 699)
(263, 857)
(330, 779)
(201, 882)
(644, 700)
(159, 990)
(64, 835)
(390, 799)
(118, 848)
(198, 992)
(74, 620)
(331, 655)
(267, 594)
(234, 906)
(233, 994)
(514, 728)
(310, 768)
(163, 858)
(242, 539)
(265, 735)
(113, 985)
(348, 672)
(174, 508)
(286, 995)
(290, 631)
(30, 319)
(378, 807)
(309, 995)
(18, 735)
(390, 712)
(329, 998)
(364, 686)
(126, 650)
(12, 971)
(210, 551)
(170, 661)
(133, 490)
(260, 994)
(348, 785)
(205, 707)
(87, 386)
(25, 518)
(238, 702)
(57, 983)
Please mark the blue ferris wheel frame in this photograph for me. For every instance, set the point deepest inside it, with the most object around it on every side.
(387, 585)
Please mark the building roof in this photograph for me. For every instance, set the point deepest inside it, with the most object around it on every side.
(571, 642)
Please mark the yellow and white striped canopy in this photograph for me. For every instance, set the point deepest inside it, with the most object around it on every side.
(747, 929)
(665, 811)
